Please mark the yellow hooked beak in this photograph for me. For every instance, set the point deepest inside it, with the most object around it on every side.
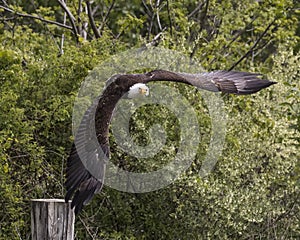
(143, 91)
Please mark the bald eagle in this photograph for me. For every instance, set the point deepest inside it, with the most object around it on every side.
(81, 185)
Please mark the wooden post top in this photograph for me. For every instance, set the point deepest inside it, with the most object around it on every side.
(52, 219)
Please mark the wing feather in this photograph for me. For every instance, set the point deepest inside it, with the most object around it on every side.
(80, 183)
(240, 83)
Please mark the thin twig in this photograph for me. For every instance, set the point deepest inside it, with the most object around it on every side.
(92, 21)
(36, 17)
(195, 10)
(95, 9)
(106, 16)
(83, 25)
(151, 22)
(170, 19)
(18, 232)
(233, 40)
(79, 11)
(155, 41)
(150, 16)
(86, 227)
(147, 9)
(202, 21)
(71, 17)
(63, 36)
(266, 44)
(157, 14)
(203, 16)
(5, 3)
(253, 46)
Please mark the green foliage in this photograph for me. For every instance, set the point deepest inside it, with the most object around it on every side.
(253, 191)
(37, 92)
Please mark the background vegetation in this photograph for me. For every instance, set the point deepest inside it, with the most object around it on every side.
(48, 48)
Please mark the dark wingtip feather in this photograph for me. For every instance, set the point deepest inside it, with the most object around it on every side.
(255, 85)
(85, 193)
(241, 83)
(81, 185)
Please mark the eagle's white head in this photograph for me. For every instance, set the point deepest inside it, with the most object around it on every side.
(138, 90)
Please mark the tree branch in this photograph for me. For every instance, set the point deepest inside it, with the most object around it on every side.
(202, 22)
(106, 15)
(155, 41)
(70, 16)
(170, 19)
(253, 46)
(237, 35)
(203, 16)
(79, 11)
(92, 21)
(36, 17)
(63, 36)
(157, 14)
(82, 23)
(199, 7)
(5, 3)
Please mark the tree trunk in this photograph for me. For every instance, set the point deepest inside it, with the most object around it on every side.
(52, 219)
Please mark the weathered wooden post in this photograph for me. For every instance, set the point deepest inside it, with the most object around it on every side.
(52, 219)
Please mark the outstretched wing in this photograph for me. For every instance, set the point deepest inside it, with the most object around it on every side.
(240, 83)
(80, 183)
